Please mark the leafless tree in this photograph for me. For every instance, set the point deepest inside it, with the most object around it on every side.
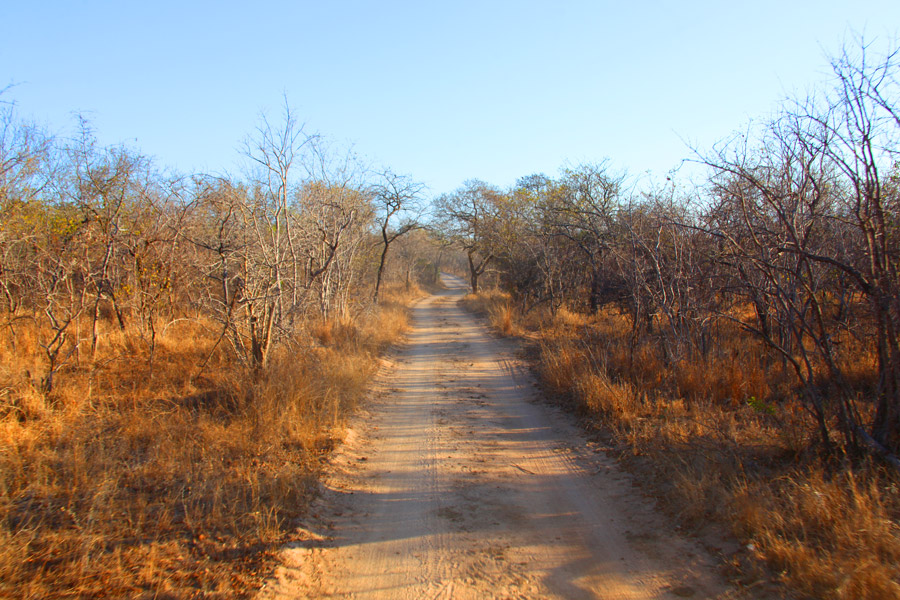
(395, 197)
(583, 206)
(103, 189)
(470, 216)
(807, 210)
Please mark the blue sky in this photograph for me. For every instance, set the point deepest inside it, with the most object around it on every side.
(444, 91)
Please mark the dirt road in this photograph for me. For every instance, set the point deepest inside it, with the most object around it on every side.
(457, 482)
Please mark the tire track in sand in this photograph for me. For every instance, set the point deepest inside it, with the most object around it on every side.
(456, 482)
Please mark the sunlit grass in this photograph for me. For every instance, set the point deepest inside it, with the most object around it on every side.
(722, 437)
(132, 481)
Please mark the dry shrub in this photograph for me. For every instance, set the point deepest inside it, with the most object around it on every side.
(568, 371)
(721, 438)
(729, 380)
(140, 479)
(401, 295)
(568, 319)
(503, 319)
(391, 321)
(497, 307)
(485, 301)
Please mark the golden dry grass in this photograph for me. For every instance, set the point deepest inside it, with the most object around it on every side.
(497, 307)
(830, 535)
(167, 483)
(721, 439)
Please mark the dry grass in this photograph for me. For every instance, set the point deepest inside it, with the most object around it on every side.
(132, 482)
(829, 535)
(497, 307)
(721, 439)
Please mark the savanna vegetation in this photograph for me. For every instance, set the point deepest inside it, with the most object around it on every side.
(738, 339)
(176, 351)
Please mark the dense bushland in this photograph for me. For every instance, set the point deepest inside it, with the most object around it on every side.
(741, 334)
(176, 352)
(712, 441)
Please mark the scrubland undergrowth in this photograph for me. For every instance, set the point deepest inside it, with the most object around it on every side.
(722, 439)
(162, 479)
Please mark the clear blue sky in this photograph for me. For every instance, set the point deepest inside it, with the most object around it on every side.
(444, 91)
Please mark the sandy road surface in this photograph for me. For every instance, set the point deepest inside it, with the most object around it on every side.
(457, 483)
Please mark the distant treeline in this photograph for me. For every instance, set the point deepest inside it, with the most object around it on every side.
(91, 233)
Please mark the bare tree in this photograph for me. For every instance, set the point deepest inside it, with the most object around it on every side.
(335, 216)
(155, 230)
(583, 206)
(420, 255)
(809, 210)
(25, 172)
(336, 212)
(274, 150)
(395, 197)
(470, 215)
(104, 188)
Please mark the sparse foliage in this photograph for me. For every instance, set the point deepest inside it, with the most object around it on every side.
(396, 198)
(472, 218)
